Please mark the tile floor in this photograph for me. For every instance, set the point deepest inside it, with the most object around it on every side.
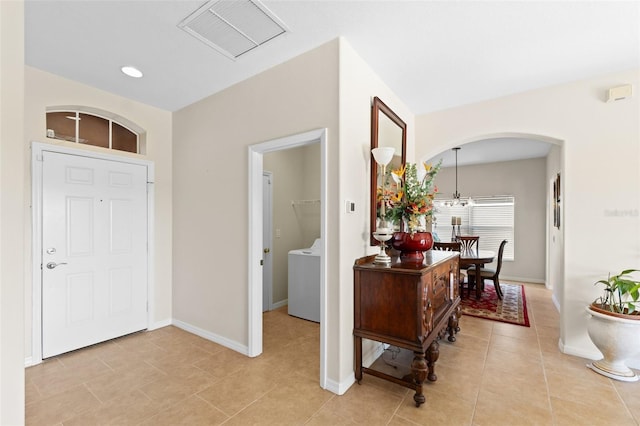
(495, 374)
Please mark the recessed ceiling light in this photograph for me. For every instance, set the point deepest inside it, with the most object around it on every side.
(132, 71)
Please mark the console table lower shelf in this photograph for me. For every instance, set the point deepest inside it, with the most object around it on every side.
(395, 365)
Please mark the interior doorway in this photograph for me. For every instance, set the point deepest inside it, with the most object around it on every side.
(290, 262)
(255, 294)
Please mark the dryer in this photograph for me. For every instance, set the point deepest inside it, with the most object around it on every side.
(304, 282)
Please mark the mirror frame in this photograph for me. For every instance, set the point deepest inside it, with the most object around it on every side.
(378, 107)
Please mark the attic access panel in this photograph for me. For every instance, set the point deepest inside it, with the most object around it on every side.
(233, 27)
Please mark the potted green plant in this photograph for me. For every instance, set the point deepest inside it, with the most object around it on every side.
(614, 325)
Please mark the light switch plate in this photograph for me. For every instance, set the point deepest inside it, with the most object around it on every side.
(350, 206)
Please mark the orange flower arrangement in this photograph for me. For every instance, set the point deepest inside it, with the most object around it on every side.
(412, 200)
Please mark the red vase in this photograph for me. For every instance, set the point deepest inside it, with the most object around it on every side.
(412, 246)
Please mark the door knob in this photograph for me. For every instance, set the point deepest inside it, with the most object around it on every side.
(267, 250)
(52, 265)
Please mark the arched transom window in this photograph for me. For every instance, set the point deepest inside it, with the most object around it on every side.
(90, 126)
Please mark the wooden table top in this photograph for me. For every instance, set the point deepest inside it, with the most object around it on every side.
(477, 256)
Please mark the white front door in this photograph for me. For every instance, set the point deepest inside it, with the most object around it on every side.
(94, 251)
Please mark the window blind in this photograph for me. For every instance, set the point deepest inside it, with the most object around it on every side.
(489, 217)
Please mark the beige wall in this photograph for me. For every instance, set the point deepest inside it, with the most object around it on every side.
(358, 86)
(600, 177)
(319, 89)
(45, 89)
(526, 181)
(210, 182)
(296, 177)
(13, 250)
(309, 215)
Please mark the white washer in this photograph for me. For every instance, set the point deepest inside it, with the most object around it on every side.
(304, 282)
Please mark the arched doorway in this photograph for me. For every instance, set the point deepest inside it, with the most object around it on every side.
(524, 165)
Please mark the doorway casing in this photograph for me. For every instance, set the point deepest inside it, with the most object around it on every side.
(255, 237)
(267, 244)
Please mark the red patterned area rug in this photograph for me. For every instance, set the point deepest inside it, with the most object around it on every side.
(511, 309)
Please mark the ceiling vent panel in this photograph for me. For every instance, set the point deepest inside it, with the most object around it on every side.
(233, 27)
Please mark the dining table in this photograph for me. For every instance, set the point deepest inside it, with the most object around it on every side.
(478, 258)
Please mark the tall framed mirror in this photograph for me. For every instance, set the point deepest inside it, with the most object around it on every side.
(387, 130)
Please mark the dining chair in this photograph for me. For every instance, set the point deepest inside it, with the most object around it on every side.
(447, 246)
(488, 274)
(469, 242)
(452, 246)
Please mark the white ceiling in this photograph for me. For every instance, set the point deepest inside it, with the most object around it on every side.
(432, 54)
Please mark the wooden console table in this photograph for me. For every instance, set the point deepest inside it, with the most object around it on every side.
(410, 306)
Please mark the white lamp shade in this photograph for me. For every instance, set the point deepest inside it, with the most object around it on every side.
(383, 155)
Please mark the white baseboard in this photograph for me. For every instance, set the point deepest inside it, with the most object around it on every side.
(339, 388)
(227, 343)
(28, 361)
(522, 279)
(370, 356)
(555, 301)
(581, 352)
(280, 304)
(159, 324)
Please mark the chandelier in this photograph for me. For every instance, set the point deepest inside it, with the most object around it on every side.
(457, 200)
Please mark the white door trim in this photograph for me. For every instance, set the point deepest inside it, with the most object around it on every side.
(267, 285)
(37, 148)
(255, 238)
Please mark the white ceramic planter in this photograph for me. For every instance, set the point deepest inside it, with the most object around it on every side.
(618, 339)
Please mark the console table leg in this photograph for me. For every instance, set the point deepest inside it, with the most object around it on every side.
(433, 353)
(419, 373)
(452, 327)
(358, 344)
